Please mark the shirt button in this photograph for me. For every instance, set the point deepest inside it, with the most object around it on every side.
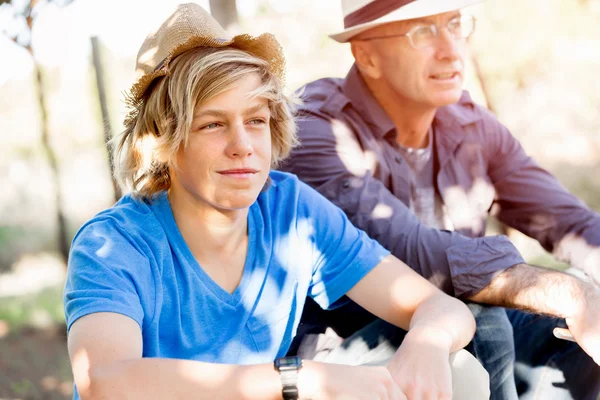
(398, 159)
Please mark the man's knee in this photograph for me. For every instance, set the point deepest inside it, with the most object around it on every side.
(470, 381)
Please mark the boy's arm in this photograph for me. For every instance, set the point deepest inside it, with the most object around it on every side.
(397, 294)
(437, 325)
(106, 358)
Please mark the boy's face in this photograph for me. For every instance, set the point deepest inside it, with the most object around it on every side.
(227, 159)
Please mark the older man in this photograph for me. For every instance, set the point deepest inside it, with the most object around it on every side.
(413, 161)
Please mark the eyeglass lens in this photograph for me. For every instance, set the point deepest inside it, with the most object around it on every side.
(461, 28)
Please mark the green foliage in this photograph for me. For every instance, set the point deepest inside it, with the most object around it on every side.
(10, 234)
(22, 387)
(43, 308)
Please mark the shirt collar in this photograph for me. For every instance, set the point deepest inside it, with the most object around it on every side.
(463, 113)
(363, 101)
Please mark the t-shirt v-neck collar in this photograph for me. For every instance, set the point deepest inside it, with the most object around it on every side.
(162, 206)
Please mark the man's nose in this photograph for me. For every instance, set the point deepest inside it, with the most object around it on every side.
(447, 46)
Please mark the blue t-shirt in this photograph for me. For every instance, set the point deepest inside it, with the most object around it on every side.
(131, 259)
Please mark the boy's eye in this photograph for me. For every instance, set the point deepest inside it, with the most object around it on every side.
(210, 126)
(256, 121)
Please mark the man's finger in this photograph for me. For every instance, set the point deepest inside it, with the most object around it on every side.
(564, 334)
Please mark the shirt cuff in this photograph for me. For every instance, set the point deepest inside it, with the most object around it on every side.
(474, 263)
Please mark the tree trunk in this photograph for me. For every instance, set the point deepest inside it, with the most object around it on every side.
(502, 228)
(98, 68)
(63, 240)
(224, 11)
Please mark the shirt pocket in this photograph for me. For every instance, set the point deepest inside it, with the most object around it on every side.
(273, 327)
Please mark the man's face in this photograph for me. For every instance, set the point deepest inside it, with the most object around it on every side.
(426, 77)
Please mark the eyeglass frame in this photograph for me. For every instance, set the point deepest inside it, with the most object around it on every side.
(432, 27)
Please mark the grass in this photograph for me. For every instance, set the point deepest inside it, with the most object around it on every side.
(39, 310)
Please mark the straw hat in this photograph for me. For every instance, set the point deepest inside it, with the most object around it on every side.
(360, 15)
(188, 27)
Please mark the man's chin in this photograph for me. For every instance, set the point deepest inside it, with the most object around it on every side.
(448, 98)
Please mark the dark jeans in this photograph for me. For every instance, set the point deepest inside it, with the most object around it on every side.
(517, 349)
(547, 367)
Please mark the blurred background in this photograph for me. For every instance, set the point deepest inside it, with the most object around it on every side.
(64, 66)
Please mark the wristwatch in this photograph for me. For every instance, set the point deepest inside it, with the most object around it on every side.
(288, 368)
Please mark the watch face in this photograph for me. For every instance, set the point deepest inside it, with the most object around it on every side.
(288, 363)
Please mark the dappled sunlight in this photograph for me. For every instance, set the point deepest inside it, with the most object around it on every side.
(382, 211)
(469, 209)
(146, 148)
(147, 57)
(301, 244)
(80, 362)
(354, 158)
(580, 254)
(105, 250)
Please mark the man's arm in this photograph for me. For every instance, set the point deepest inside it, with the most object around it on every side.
(552, 293)
(106, 359)
(531, 200)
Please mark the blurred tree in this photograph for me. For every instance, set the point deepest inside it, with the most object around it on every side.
(99, 70)
(24, 39)
(224, 11)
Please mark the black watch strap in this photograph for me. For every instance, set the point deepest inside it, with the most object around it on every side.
(288, 372)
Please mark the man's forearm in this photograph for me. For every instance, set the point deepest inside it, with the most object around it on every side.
(538, 290)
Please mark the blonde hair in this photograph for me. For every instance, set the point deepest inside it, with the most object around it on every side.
(161, 121)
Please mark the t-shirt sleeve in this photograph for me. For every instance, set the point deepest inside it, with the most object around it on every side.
(107, 273)
(343, 253)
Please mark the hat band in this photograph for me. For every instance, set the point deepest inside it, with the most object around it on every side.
(372, 11)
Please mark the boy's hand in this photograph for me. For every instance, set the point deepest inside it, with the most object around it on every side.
(421, 366)
(322, 381)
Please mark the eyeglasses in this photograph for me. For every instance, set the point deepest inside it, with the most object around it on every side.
(424, 36)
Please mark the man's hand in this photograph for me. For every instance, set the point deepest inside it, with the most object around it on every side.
(321, 381)
(421, 366)
(585, 324)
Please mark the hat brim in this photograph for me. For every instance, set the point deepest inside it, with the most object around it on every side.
(416, 9)
(264, 46)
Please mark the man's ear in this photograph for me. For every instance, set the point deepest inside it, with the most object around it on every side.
(366, 58)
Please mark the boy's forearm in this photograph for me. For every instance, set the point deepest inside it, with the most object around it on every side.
(449, 317)
(177, 379)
